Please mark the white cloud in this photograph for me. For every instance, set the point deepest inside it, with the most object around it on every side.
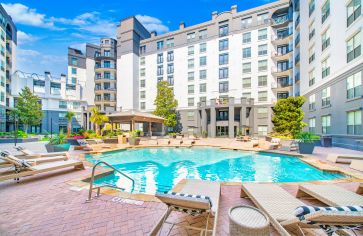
(26, 53)
(153, 24)
(24, 38)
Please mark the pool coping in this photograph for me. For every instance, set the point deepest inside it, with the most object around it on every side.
(310, 160)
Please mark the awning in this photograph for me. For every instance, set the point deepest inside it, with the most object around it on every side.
(136, 116)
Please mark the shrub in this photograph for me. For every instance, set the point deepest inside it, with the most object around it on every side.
(58, 139)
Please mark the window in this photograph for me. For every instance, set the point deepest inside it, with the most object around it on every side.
(160, 58)
(2, 96)
(74, 71)
(142, 72)
(311, 31)
(191, 89)
(190, 102)
(223, 30)
(142, 61)
(262, 96)
(311, 7)
(354, 122)
(63, 104)
(142, 94)
(262, 130)
(170, 80)
(223, 73)
(262, 112)
(223, 87)
(354, 9)
(262, 34)
(160, 70)
(246, 67)
(203, 34)
(312, 78)
(325, 11)
(325, 97)
(190, 115)
(190, 63)
(170, 56)
(202, 74)
(325, 40)
(203, 99)
(190, 37)
(106, 53)
(202, 47)
(223, 44)
(325, 124)
(190, 76)
(223, 59)
(74, 80)
(246, 95)
(354, 47)
(311, 54)
(262, 65)
(312, 102)
(74, 61)
(354, 86)
(262, 50)
(170, 68)
(191, 50)
(203, 61)
(262, 81)
(107, 64)
(170, 43)
(246, 22)
(246, 37)
(142, 105)
(159, 45)
(246, 83)
(142, 83)
(262, 18)
(142, 49)
(312, 125)
(325, 67)
(246, 53)
(203, 88)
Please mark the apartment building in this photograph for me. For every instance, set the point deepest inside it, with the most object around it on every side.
(8, 43)
(57, 96)
(331, 65)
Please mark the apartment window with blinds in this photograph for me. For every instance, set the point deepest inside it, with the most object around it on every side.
(202, 74)
(325, 67)
(325, 40)
(246, 22)
(246, 95)
(203, 61)
(262, 81)
(170, 56)
(246, 53)
(170, 68)
(223, 73)
(262, 65)
(223, 59)
(246, 37)
(262, 18)
(191, 89)
(325, 124)
(311, 31)
(325, 11)
(190, 115)
(142, 94)
(312, 78)
(246, 67)
(311, 54)
(262, 34)
(159, 45)
(202, 47)
(262, 96)
(142, 105)
(223, 87)
(74, 61)
(203, 99)
(160, 58)
(223, 44)
(246, 83)
(142, 83)
(142, 61)
(354, 48)
(160, 70)
(354, 122)
(190, 37)
(191, 50)
(170, 43)
(312, 99)
(262, 50)
(190, 63)
(311, 7)
(325, 97)
(203, 34)
(190, 76)
(223, 30)
(63, 104)
(354, 10)
(170, 80)
(190, 102)
(312, 125)
(262, 130)
(203, 88)
(354, 86)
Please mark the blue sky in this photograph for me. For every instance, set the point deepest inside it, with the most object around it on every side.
(47, 28)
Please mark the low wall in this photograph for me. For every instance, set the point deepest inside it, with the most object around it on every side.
(19, 140)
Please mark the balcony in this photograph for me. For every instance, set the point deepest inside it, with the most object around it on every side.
(106, 57)
(297, 40)
(282, 85)
(105, 67)
(297, 22)
(282, 38)
(105, 100)
(280, 21)
(282, 71)
(105, 89)
(297, 59)
(278, 56)
(105, 79)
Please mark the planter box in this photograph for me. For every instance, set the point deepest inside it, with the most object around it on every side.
(134, 141)
(110, 140)
(19, 140)
(57, 148)
(306, 148)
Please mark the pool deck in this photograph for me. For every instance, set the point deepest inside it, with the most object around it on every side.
(53, 204)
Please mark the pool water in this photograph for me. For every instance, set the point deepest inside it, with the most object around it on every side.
(159, 169)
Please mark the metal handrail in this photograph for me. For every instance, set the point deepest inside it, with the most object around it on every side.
(91, 188)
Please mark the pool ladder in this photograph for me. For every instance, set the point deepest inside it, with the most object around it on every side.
(91, 187)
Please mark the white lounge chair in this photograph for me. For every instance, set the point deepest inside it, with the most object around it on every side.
(30, 153)
(344, 158)
(356, 165)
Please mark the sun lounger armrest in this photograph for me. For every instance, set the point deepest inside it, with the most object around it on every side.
(185, 201)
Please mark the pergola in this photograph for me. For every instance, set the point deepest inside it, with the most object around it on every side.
(132, 117)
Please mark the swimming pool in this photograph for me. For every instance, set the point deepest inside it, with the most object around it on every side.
(159, 169)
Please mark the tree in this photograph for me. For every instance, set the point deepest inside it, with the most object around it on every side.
(166, 104)
(98, 119)
(288, 116)
(28, 109)
(69, 116)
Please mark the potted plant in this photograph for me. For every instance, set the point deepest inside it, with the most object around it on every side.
(306, 143)
(58, 143)
(172, 135)
(134, 138)
(204, 134)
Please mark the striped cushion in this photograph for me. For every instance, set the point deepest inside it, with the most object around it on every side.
(19, 148)
(22, 163)
(189, 195)
(304, 210)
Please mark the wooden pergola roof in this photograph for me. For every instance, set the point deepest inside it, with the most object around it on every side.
(135, 116)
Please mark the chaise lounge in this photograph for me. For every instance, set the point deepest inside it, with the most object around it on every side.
(343, 158)
(29, 153)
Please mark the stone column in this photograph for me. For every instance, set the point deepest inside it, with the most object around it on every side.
(213, 122)
(252, 121)
(204, 120)
(243, 111)
(231, 117)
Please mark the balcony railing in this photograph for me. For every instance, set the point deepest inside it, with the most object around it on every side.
(297, 22)
(105, 66)
(280, 19)
(108, 78)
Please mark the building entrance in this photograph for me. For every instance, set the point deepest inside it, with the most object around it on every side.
(222, 131)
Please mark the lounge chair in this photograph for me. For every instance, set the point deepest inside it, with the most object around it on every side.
(32, 160)
(163, 142)
(356, 165)
(26, 168)
(152, 142)
(343, 158)
(280, 206)
(29, 153)
(84, 145)
(195, 198)
(330, 194)
(175, 142)
(189, 142)
(288, 145)
(360, 189)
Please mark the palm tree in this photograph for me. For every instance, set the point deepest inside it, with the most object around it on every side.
(98, 119)
(69, 115)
